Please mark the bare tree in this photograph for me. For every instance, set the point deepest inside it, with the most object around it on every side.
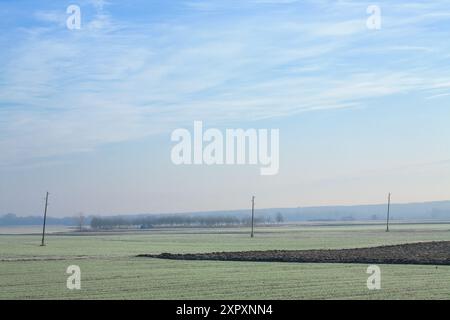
(80, 221)
(279, 217)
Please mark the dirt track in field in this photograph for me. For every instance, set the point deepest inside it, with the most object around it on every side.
(426, 253)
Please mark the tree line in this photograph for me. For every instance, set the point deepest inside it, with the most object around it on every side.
(177, 221)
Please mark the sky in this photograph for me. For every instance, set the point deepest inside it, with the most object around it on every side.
(87, 114)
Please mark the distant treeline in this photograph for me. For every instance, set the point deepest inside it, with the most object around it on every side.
(11, 219)
(437, 210)
(177, 220)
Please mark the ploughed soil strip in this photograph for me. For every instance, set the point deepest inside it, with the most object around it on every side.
(434, 253)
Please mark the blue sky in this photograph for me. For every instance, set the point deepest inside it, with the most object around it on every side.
(87, 114)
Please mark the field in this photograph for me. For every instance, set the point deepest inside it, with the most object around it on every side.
(111, 270)
(420, 253)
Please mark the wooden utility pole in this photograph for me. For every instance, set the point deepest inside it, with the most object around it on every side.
(253, 214)
(45, 218)
(388, 208)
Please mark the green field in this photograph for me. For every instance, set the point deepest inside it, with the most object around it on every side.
(110, 270)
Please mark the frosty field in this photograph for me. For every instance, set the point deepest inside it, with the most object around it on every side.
(111, 270)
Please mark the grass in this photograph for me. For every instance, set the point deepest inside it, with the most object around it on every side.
(109, 269)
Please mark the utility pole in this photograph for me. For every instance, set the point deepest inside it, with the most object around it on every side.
(388, 208)
(45, 218)
(253, 214)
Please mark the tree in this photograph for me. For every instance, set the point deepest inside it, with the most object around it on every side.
(279, 217)
(80, 221)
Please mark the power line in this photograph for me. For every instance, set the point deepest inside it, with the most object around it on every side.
(45, 218)
(388, 209)
(253, 214)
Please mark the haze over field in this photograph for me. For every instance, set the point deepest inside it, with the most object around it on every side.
(436, 211)
(87, 114)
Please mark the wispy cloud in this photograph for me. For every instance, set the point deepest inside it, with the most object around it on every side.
(117, 80)
(439, 95)
(53, 16)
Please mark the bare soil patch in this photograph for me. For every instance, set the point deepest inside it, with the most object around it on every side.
(426, 253)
